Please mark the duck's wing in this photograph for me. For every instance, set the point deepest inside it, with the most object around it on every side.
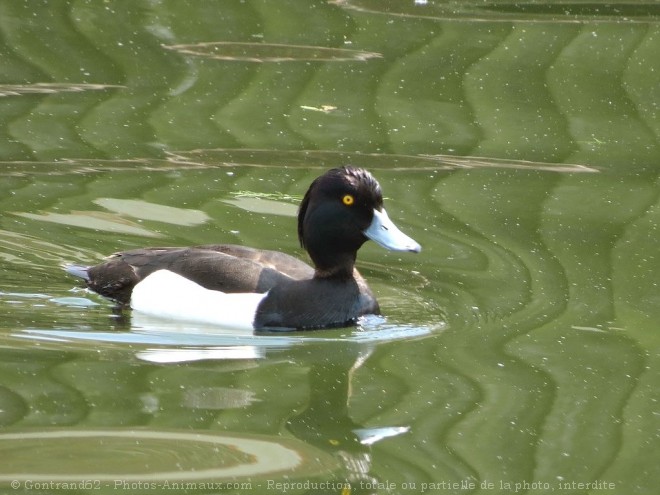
(276, 260)
(225, 268)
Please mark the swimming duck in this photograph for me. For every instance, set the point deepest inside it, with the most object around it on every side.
(242, 287)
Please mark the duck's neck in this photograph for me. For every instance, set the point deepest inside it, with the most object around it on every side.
(337, 266)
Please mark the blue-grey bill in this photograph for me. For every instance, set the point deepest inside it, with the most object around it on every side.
(383, 231)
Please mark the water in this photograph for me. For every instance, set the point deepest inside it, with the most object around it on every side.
(516, 142)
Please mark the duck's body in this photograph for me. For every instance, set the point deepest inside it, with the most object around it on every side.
(240, 286)
(220, 267)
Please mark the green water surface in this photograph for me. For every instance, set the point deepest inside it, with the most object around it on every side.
(517, 142)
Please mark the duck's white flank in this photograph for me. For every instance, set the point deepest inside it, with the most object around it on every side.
(168, 295)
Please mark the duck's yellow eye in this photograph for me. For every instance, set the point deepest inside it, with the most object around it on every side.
(348, 200)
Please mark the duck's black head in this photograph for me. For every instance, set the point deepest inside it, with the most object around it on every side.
(341, 210)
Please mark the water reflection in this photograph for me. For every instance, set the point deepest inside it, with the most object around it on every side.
(317, 370)
(184, 355)
(271, 52)
(503, 11)
(371, 161)
(166, 457)
(50, 88)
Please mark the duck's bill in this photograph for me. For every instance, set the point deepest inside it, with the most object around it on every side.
(383, 231)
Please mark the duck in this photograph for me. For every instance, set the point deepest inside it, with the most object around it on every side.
(263, 290)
